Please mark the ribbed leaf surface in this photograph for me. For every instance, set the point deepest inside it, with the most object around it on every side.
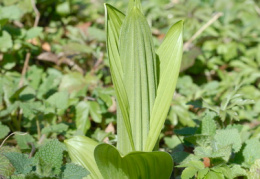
(139, 69)
(170, 55)
(114, 20)
(81, 151)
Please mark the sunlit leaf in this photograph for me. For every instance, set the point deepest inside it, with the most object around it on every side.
(170, 55)
(152, 165)
(114, 20)
(81, 151)
(140, 77)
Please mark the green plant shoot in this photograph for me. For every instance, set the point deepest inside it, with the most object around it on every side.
(144, 81)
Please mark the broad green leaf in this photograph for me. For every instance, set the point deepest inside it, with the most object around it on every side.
(95, 111)
(33, 32)
(114, 20)
(5, 41)
(202, 173)
(188, 173)
(152, 165)
(63, 8)
(82, 120)
(170, 55)
(214, 175)
(6, 168)
(251, 151)
(228, 137)
(21, 162)
(73, 171)
(10, 12)
(59, 100)
(208, 125)
(4, 130)
(24, 141)
(49, 158)
(140, 77)
(237, 171)
(74, 83)
(81, 151)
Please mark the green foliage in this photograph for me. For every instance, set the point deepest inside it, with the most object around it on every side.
(20, 162)
(46, 163)
(73, 171)
(49, 158)
(145, 164)
(4, 130)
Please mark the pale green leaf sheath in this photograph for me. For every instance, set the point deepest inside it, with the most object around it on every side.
(139, 75)
(170, 55)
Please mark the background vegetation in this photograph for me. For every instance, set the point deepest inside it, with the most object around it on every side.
(55, 83)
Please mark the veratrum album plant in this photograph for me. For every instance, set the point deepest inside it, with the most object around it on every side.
(144, 81)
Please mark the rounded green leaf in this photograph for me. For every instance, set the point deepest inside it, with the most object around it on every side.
(152, 165)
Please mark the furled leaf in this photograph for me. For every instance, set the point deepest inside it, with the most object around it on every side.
(81, 151)
(152, 165)
(21, 162)
(73, 171)
(138, 60)
(49, 158)
(114, 20)
(170, 55)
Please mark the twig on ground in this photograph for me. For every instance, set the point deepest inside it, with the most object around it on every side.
(25, 66)
(18, 133)
(37, 13)
(187, 45)
(98, 62)
(58, 59)
(28, 54)
(33, 149)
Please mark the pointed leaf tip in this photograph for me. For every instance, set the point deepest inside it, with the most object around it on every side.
(170, 55)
